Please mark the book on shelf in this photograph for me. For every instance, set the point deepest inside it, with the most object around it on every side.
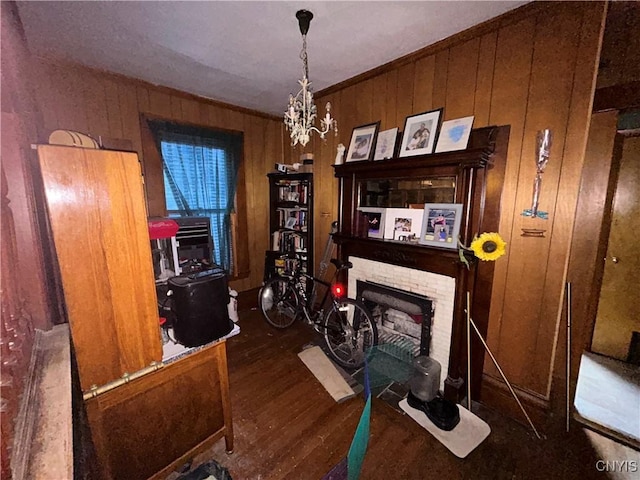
(293, 191)
(288, 241)
(293, 218)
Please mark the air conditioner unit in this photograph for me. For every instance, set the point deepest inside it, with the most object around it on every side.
(195, 246)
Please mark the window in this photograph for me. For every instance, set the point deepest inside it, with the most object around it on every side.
(200, 169)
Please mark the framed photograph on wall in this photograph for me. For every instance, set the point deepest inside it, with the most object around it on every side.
(441, 224)
(420, 133)
(375, 218)
(454, 134)
(362, 143)
(403, 224)
(386, 144)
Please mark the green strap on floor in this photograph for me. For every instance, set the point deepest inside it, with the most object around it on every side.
(360, 441)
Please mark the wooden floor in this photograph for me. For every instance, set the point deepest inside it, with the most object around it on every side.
(288, 427)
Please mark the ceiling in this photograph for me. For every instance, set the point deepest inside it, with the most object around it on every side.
(243, 52)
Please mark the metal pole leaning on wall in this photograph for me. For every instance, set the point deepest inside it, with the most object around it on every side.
(495, 362)
(568, 287)
(468, 351)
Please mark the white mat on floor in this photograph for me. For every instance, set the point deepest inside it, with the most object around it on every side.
(462, 440)
(326, 373)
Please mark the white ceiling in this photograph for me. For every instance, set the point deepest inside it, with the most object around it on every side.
(243, 52)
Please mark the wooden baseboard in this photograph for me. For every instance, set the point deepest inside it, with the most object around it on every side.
(495, 394)
(43, 440)
(248, 299)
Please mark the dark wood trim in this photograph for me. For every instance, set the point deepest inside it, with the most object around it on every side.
(248, 300)
(495, 393)
(617, 97)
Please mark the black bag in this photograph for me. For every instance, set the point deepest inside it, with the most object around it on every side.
(443, 413)
(206, 471)
(200, 307)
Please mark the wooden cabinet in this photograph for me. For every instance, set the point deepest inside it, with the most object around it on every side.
(290, 220)
(471, 177)
(149, 426)
(145, 416)
(97, 216)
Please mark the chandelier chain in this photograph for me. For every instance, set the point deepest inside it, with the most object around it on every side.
(304, 57)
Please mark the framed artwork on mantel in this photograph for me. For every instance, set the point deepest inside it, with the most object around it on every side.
(454, 134)
(375, 218)
(386, 144)
(420, 133)
(441, 225)
(403, 224)
(363, 140)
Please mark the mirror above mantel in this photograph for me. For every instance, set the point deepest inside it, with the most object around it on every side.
(406, 192)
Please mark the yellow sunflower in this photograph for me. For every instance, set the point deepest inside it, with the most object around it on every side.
(488, 246)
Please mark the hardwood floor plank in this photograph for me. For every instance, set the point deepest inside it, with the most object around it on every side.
(287, 426)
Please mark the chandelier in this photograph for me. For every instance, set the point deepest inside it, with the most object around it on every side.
(301, 114)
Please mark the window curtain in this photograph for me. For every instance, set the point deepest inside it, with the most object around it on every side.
(200, 174)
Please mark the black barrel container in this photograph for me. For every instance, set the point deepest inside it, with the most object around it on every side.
(200, 307)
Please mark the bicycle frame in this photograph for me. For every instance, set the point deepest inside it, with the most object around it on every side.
(293, 296)
(300, 280)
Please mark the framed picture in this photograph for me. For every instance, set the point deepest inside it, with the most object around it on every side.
(454, 134)
(403, 224)
(441, 224)
(420, 133)
(386, 144)
(363, 139)
(375, 217)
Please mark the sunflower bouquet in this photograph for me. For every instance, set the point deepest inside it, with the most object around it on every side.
(487, 247)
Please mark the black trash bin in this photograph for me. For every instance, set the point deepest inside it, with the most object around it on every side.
(200, 306)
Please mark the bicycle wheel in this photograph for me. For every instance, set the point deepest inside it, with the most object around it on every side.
(349, 332)
(279, 302)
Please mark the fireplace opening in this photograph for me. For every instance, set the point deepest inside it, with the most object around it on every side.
(404, 300)
(403, 318)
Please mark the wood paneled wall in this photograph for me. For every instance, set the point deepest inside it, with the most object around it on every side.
(108, 107)
(23, 297)
(532, 68)
(620, 57)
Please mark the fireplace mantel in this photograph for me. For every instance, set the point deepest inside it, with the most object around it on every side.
(479, 175)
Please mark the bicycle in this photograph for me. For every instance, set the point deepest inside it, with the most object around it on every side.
(347, 326)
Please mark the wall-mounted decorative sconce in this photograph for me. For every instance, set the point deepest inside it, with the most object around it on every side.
(543, 147)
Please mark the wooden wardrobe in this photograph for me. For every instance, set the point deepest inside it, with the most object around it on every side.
(146, 416)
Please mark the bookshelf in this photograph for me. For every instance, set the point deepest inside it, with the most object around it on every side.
(290, 221)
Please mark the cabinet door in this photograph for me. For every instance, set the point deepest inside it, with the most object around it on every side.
(154, 424)
(98, 220)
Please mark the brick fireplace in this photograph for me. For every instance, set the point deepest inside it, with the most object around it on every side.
(439, 289)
